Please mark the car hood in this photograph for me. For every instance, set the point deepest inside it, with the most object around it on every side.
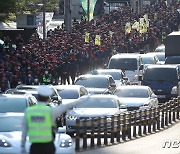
(97, 90)
(133, 101)
(160, 87)
(92, 112)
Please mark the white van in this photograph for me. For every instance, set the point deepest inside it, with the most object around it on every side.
(128, 62)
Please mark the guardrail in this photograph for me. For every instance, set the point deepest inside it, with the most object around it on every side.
(94, 132)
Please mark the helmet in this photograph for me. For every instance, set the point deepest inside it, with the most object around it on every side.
(44, 91)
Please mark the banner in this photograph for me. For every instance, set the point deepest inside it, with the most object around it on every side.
(143, 27)
(92, 4)
(128, 27)
(146, 20)
(111, 34)
(87, 37)
(136, 26)
(39, 22)
(98, 40)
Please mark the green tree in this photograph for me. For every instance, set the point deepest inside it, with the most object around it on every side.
(24, 6)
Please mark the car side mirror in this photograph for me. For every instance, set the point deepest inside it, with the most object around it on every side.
(125, 78)
(113, 85)
(61, 129)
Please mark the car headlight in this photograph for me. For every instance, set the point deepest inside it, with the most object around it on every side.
(66, 143)
(4, 143)
(71, 117)
(174, 90)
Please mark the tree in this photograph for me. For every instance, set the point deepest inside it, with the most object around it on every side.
(23, 6)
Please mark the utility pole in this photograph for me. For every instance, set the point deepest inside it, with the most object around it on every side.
(44, 19)
(88, 5)
(68, 17)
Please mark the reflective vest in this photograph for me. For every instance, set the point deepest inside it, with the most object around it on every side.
(39, 122)
(46, 79)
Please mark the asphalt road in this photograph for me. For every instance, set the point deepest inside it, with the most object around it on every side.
(150, 144)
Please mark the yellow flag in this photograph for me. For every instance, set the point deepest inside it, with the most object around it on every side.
(87, 37)
(128, 27)
(98, 40)
(143, 27)
(111, 34)
(155, 16)
(146, 20)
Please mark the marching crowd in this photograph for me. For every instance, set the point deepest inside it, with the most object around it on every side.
(65, 55)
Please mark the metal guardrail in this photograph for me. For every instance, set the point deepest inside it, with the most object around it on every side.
(122, 127)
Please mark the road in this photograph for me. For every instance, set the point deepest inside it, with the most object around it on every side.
(151, 144)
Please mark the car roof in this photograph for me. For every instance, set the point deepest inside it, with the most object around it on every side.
(94, 76)
(68, 86)
(133, 87)
(14, 95)
(109, 70)
(161, 66)
(7, 114)
(103, 96)
(148, 55)
(126, 55)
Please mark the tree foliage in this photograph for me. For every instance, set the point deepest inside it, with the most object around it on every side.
(24, 6)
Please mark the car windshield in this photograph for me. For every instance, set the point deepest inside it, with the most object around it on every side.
(123, 64)
(11, 123)
(98, 103)
(12, 104)
(142, 93)
(93, 82)
(68, 94)
(148, 60)
(172, 60)
(115, 75)
(160, 74)
(161, 57)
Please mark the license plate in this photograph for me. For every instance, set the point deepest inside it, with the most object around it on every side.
(161, 96)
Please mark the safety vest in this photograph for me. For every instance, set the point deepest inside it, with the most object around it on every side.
(46, 80)
(39, 121)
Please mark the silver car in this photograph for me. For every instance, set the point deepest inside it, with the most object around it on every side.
(136, 97)
(97, 106)
(10, 136)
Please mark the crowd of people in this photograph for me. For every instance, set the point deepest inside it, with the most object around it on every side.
(65, 55)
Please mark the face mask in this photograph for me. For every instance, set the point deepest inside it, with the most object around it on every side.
(46, 72)
(29, 75)
(36, 80)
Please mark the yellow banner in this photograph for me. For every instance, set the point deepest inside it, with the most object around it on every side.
(135, 25)
(111, 34)
(98, 40)
(128, 27)
(87, 37)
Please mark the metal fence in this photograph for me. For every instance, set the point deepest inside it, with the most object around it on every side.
(94, 132)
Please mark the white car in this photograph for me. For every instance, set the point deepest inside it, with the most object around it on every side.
(10, 136)
(69, 93)
(98, 105)
(129, 63)
(136, 97)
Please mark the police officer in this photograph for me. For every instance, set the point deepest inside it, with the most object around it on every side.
(39, 121)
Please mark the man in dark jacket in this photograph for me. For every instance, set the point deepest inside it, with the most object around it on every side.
(65, 69)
